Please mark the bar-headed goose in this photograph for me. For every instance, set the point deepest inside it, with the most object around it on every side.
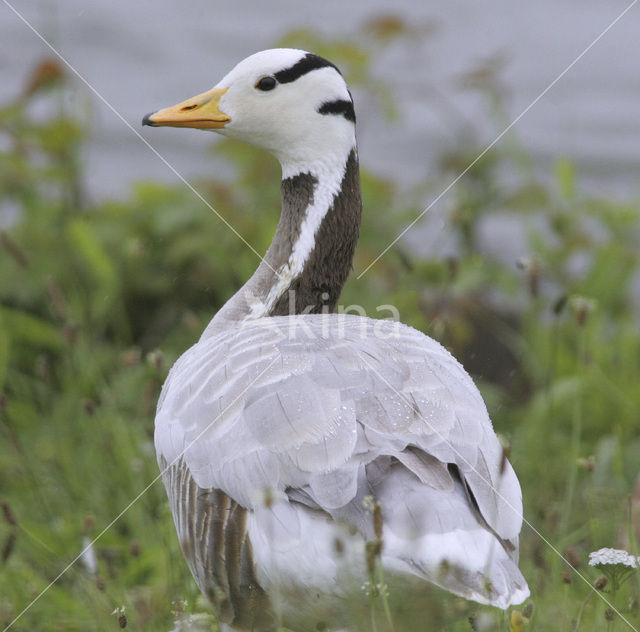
(283, 426)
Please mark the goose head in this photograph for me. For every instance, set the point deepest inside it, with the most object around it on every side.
(290, 102)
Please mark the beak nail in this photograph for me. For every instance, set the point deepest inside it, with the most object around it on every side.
(147, 119)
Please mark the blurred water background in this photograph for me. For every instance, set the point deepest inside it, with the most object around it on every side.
(148, 54)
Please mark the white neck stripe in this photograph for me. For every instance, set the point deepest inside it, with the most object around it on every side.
(325, 190)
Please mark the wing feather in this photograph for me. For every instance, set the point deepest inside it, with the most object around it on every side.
(321, 407)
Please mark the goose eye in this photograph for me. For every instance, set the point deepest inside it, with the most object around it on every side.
(266, 83)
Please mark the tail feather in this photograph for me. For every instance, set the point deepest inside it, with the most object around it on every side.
(436, 534)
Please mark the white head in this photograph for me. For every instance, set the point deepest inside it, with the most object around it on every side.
(292, 103)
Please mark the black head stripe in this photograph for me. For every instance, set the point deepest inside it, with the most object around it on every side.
(308, 63)
(345, 108)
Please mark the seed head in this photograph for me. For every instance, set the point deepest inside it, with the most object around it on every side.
(8, 514)
(581, 307)
(573, 557)
(601, 583)
(377, 521)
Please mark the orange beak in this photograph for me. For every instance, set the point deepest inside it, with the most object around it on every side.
(201, 112)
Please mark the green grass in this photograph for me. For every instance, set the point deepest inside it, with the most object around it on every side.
(97, 300)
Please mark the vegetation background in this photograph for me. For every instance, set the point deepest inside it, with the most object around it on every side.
(97, 300)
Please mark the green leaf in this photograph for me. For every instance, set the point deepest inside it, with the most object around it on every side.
(566, 179)
(97, 262)
(5, 347)
(25, 328)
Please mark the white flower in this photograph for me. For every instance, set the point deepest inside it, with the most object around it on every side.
(605, 556)
(616, 564)
(379, 589)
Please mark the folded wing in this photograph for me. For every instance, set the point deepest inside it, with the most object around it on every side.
(308, 415)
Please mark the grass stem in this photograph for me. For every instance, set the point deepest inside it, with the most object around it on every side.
(576, 437)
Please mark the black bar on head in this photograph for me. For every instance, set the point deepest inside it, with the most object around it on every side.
(308, 63)
(340, 106)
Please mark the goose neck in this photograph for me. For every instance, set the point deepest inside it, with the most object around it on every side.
(311, 254)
